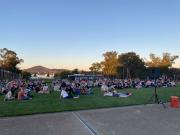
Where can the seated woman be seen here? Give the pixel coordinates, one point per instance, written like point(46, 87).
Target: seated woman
point(8, 96)
point(104, 88)
point(22, 95)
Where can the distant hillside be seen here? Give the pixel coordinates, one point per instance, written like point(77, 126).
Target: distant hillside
point(43, 70)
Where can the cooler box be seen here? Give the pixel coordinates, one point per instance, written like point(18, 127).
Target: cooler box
point(174, 102)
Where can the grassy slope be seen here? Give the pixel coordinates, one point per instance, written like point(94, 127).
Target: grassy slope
point(51, 103)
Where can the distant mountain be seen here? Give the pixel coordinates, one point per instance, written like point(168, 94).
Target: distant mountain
point(43, 70)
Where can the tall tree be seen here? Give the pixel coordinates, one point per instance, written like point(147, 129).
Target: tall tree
point(9, 60)
point(132, 64)
point(110, 63)
point(48, 75)
point(165, 61)
point(95, 67)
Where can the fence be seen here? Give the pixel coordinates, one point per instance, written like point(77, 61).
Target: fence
point(7, 75)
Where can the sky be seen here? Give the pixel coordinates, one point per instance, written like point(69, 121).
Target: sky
point(75, 33)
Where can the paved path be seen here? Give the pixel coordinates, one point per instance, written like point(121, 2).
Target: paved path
point(136, 120)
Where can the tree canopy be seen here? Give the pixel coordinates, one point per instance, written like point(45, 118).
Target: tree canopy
point(9, 60)
point(95, 67)
point(165, 61)
point(132, 62)
point(64, 74)
point(131, 65)
point(110, 63)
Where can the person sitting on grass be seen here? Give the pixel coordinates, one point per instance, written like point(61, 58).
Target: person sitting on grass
point(65, 94)
point(3, 90)
point(22, 95)
point(104, 87)
point(45, 89)
point(8, 96)
point(77, 89)
point(89, 91)
point(37, 88)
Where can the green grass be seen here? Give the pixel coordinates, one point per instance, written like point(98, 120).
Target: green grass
point(50, 103)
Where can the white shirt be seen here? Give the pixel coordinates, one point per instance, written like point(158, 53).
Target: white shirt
point(8, 95)
point(64, 94)
point(45, 88)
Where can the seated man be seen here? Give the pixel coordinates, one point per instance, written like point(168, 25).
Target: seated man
point(67, 92)
point(77, 89)
point(64, 94)
point(45, 89)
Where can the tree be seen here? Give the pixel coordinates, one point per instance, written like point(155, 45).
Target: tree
point(26, 75)
point(9, 60)
point(95, 67)
point(131, 64)
point(174, 73)
point(63, 75)
point(35, 75)
point(110, 63)
point(165, 62)
point(75, 71)
point(48, 75)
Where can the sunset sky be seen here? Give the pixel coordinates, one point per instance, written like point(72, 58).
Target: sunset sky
point(75, 33)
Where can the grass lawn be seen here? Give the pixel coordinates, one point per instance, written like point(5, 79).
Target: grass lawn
point(50, 103)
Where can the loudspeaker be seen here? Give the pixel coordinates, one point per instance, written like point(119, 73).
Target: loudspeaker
point(155, 73)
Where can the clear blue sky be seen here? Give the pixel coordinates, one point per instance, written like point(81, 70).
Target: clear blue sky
point(75, 33)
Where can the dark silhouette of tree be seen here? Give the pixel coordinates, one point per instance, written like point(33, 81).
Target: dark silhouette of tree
point(26, 75)
point(48, 75)
point(75, 71)
point(35, 75)
point(63, 74)
point(131, 64)
point(95, 67)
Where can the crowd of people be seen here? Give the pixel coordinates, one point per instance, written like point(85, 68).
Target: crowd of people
point(22, 90)
point(73, 89)
point(137, 83)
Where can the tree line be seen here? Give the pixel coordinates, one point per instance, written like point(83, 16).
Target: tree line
point(131, 65)
point(124, 65)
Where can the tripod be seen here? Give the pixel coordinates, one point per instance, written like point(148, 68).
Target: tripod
point(156, 97)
